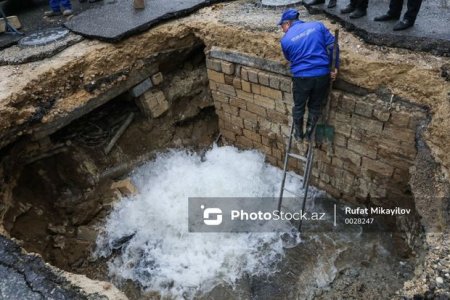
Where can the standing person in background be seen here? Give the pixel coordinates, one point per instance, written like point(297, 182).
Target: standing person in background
point(356, 8)
point(395, 10)
point(309, 49)
point(56, 6)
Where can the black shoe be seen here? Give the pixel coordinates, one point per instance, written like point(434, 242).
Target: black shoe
point(348, 9)
point(402, 25)
point(298, 130)
point(310, 126)
point(385, 17)
point(314, 2)
point(358, 13)
point(331, 4)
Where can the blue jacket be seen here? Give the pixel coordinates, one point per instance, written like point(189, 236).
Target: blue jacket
point(308, 47)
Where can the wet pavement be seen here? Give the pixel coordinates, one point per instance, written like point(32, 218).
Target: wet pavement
point(114, 21)
point(430, 33)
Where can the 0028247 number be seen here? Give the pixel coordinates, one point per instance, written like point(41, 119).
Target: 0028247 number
point(358, 221)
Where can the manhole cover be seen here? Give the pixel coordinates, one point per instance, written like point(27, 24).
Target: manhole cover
point(44, 37)
point(277, 3)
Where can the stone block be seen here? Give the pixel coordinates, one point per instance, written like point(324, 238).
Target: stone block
point(87, 233)
point(271, 93)
point(237, 121)
point(229, 135)
point(125, 187)
point(157, 78)
point(263, 78)
point(141, 88)
point(226, 89)
point(397, 133)
point(153, 104)
point(213, 64)
point(274, 82)
point(340, 140)
point(277, 117)
point(399, 118)
point(235, 128)
point(216, 76)
point(227, 68)
point(285, 85)
point(246, 115)
point(363, 108)
point(212, 85)
point(252, 76)
point(288, 98)
point(381, 114)
point(244, 141)
point(244, 74)
point(346, 155)
point(370, 125)
point(237, 83)
point(264, 101)
point(346, 103)
point(232, 110)
point(377, 166)
point(342, 128)
point(362, 148)
point(219, 97)
point(252, 135)
point(251, 125)
point(259, 110)
point(244, 95)
point(237, 102)
point(246, 86)
point(256, 89)
point(415, 119)
point(229, 79)
point(281, 107)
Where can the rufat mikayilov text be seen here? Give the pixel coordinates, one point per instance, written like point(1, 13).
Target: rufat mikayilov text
point(275, 215)
point(377, 210)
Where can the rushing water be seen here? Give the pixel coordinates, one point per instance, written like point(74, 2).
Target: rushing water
point(151, 228)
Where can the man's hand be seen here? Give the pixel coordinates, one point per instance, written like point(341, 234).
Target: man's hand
point(334, 74)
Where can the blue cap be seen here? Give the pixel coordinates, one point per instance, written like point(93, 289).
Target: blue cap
point(288, 15)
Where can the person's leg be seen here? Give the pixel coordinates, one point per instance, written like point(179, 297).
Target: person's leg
point(350, 7)
point(395, 8)
point(413, 10)
point(361, 9)
point(301, 90)
point(54, 5)
point(66, 4)
point(317, 101)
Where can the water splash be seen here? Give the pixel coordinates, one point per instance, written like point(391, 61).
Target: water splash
point(151, 231)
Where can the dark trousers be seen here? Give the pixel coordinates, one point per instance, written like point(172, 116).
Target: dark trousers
point(312, 91)
point(413, 7)
point(359, 4)
point(55, 5)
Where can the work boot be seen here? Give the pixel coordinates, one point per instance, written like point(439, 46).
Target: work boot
point(385, 17)
point(314, 2)
point(402, 25)
point(67, 12)
point(298, 130)
point(348, 9)
point(310, 125)
point(358, 13)
point(52, 13)
point(331, 4)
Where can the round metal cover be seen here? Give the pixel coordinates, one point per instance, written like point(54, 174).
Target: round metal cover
point(44, 37)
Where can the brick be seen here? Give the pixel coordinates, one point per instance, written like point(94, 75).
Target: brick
point(229, 79)
point(264, 101)
point(232, 127)
point(377, 167)
point(246, 115)
point(244, 74)
point(227, 68)
point(213, 64)
point(381, 114)
point(288, 98)
point(367, 124)
point(277, 153)
point(229, 135)
point(277, 117)
point(236, 120)
point(244, 95)
point(271, 93)
point(237, 71)
point(246, 86)
point(252, 76)
point(340, 140)
point(285, 85)
point(402, 134)
point(337, 162)
point(271, 160)
point(259, 110)
point(274, 82)
point(244, 141)
point(232, 110)
point(157, 78)
point(226, 89)
point(125, 187)
point(256, 89)
point(342, 128)
point(347, 155)
point(237, 83)
point(342, 117)
point(216, 76)
point(265, 149)
point(362, 149)
point(153, 104)
point(252, 135)
point(399, 118)
point(281, 107)
point(212, 85)
point(263, 78)
point(251, 125)
point(346, 103)
point(237, 102)
point(363, 108)
point(219, 97)
point(416, 119)
point(141, 88)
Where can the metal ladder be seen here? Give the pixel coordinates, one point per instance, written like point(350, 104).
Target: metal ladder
point(307, 160)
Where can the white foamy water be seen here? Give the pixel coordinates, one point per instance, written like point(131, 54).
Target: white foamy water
point(161, 254)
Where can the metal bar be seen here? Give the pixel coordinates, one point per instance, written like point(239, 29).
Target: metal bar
point(299, 157)
point(119, 133)
point(286, 158)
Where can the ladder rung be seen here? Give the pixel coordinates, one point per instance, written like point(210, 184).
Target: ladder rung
point(299, 157)
point(291, 192)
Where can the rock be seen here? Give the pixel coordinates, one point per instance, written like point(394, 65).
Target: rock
point(153, 104)
point(157, 78)
point(87, 233)
point(125, 187)
point(439, 280)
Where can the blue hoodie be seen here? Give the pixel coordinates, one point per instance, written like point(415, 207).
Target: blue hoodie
point(308, 47)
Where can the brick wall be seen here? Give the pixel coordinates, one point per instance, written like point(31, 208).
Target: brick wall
point(374, 144)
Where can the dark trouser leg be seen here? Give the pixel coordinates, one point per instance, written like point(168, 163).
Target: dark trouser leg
point(302, 88)
point(318, 97)
point(395, 8)
point(413, 10)
point(362, 4)
point(54, 5)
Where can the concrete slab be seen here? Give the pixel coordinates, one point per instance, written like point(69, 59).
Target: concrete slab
point(430, 33)
point(115, 21)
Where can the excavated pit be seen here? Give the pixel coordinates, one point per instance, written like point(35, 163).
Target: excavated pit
point(57, 184)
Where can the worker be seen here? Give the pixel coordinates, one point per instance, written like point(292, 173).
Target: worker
point(395, 10)
point(56, 6)
point(308, 46)
point(356, 8)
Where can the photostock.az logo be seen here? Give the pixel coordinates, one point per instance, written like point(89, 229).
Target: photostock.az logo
point(212, 216)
